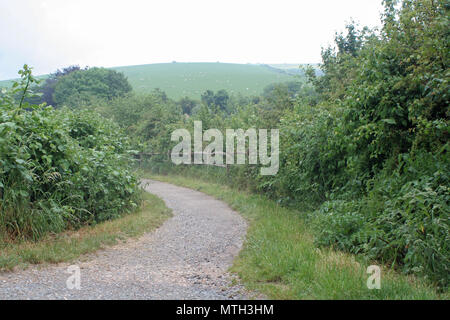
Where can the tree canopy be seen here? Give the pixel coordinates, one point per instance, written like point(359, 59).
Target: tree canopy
point(82, 87)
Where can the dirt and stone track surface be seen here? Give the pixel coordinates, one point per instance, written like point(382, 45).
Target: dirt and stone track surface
point(186, 258)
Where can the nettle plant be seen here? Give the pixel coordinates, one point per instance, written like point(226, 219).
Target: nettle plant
point(59, 169)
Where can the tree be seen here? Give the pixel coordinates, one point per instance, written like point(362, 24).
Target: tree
point(83, 87)
point(208, 98)
point(219, 99)
point(187, 105)
point(48, 87)
point(339, 66)
point(292, 87)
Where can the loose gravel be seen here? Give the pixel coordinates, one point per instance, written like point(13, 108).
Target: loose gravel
point(186, 258)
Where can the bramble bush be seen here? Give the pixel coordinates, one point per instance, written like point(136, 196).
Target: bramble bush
point(394, 133)
point(403, 220)
point(59, 169)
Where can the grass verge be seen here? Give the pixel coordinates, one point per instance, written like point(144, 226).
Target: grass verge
point(70, 245)
point(280, 259)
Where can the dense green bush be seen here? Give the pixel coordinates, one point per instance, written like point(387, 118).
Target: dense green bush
point(58, 168)
point(403, 219)
point(309, 154)
point(87, 86)
point(394, 133)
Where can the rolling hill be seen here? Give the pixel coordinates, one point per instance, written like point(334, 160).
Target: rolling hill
point(192, 79)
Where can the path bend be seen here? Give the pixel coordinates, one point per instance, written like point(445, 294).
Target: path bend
point(186, 258)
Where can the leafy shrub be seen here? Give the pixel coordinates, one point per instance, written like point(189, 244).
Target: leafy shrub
point(308, 169)
point(394, 134)
point(58, 168)
point(403, 220)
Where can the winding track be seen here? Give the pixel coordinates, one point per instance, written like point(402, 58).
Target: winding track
point(186, 258)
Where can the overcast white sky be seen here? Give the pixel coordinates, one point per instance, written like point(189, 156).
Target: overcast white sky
point(50, 34)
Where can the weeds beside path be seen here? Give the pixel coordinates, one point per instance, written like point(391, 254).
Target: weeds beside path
point(70, 245)
point(280, 259)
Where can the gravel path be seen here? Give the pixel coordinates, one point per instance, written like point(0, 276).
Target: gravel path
point(186, 258)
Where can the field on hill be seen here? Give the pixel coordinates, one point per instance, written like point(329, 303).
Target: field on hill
point(192, 79)
point(9, 83)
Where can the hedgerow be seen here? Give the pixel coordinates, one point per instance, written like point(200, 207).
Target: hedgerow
point(59, 169)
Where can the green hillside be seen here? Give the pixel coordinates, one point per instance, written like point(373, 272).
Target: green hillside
point(8, 83)
point(192, 79)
